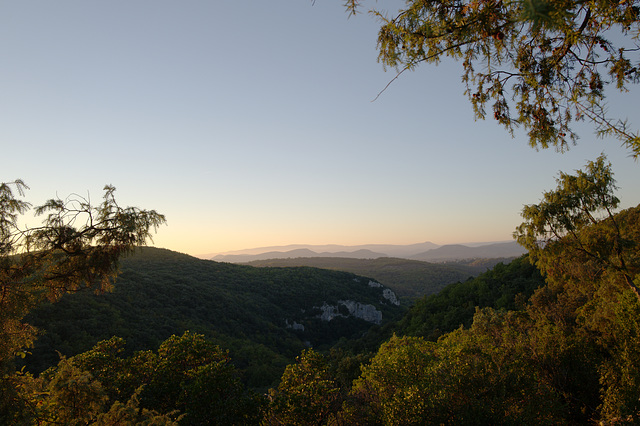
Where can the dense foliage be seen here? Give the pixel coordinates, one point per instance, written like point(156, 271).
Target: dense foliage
point(539, 64)
point(76, 247)
point(561, 224)
point(569, 355)
point(188, 379)
point(505, 287)
point(510, 349)
point(506, 347)
point(248, 310)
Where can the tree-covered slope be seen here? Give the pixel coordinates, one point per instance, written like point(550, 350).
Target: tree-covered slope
point(567, 355)
point(409, 279)
point(265, 316)
point(503, 287)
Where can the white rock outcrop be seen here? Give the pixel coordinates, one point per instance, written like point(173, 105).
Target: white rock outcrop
point(294, 325)
point(387, 293)
point(368, 313)
point(390, 296)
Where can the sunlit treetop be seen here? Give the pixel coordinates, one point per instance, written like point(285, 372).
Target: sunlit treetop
point(576, 224)
point(537, 64)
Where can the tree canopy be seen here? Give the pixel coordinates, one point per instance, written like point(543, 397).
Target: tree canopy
point(560, 230)
point(77, 246)
point(539, 64)
point(569, 355)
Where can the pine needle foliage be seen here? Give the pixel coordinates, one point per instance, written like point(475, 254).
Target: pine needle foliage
point(537, 64)
point(77, 246)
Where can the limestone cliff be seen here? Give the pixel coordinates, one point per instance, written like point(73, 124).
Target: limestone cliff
point(368, 313)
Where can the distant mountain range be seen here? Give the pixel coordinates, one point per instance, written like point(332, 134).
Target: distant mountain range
point(455, 252)
point(387, 250)
point(427, 251)
point(304, 252)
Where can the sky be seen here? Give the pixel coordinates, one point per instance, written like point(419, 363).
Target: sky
point(252, 124)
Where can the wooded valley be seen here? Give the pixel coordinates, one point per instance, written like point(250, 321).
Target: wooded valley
point(552, 337)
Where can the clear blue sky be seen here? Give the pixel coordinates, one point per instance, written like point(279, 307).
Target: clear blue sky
point(252, 124)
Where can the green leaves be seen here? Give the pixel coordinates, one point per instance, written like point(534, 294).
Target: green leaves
point(477, 376)
point(544, 13)
point(576, 223)
point(504, 287)
point(77, 246)
point(189, 380)
point(539, 64)
point(574, 204)
point(307, 393)
point(569, 356)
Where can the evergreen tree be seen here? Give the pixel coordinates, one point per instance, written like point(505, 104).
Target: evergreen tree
point(540, 64)
point(76, 247)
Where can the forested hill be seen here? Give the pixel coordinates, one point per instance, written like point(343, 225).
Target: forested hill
point(265, 316)
point(409, 279)
point(505, 287)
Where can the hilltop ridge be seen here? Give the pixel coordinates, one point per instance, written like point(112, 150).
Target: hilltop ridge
point(426, 251)
point(387, 250)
